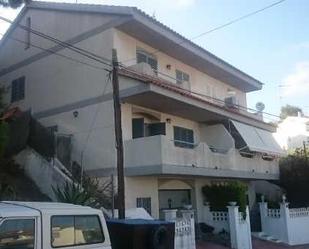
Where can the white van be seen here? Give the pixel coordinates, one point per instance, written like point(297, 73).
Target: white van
point(44, 225)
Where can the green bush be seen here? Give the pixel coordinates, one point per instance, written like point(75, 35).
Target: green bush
point(220, 195)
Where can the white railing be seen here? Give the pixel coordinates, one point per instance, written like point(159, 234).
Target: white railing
point(274, 213)
point(288, 225)
point(299, 212)
point(45, 174)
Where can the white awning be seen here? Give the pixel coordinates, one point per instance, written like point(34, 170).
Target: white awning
point(258, 140)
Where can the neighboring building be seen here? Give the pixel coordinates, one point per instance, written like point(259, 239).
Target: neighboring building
point(293, 133)
point(183, 127)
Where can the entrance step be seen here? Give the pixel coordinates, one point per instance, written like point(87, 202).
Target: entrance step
point(263, 236)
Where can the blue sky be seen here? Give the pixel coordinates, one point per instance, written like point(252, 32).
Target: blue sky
point(272, 46)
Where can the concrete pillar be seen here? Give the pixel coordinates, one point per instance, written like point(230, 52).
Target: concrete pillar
point(240, 231)
point(189, 215)
point(285, 215)
point(170, 214)
point(263, 212)
point(233, 223)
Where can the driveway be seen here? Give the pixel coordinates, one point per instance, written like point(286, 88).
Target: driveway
point(256, 244)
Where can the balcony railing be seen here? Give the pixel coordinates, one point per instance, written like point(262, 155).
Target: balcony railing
point(160, 150)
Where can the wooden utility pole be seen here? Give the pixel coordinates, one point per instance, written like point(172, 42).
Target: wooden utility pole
point(118, 135)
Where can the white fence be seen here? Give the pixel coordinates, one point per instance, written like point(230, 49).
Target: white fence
point(291, 226)
point(184, 228)
point(233, 222)
point(217, 219)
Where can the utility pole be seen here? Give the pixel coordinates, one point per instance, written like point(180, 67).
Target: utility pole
point(118, 135)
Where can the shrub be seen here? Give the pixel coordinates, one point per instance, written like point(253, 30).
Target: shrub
point(220, 195)
point(92, 193)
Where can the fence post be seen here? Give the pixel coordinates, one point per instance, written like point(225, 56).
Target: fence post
point(206, 214)
point(189, 215)
point(248, 227)
point(263, 212)
point(285, 215)
point(233, 223)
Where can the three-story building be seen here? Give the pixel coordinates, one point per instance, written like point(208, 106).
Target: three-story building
point(184, 117)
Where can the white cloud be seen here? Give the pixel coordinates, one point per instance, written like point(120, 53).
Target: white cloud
point(296, 84)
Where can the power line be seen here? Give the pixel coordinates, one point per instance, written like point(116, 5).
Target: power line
point(238, 19)
point(97, 58)
point(220, 26)
point(69, 46)
point(55, 53)
point(92, 127)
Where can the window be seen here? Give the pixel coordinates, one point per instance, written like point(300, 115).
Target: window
point(28, 33)
point(143, 56)
point(144, 203)
point(17, 234)
point(182, 77)
point(183, 137)
point(18, 89)
point(76, 230)
point(142, 129)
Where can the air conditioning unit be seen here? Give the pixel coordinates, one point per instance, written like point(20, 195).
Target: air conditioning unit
point(230, 102)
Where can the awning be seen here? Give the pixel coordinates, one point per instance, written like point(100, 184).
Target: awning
point(258, 140)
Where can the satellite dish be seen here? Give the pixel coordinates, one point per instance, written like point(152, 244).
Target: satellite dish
point(260, 106)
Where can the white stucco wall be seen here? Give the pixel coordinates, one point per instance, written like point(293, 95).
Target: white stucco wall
point(200, 82)
point(142, 187)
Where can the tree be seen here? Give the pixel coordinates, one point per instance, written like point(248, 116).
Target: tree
point(294, 178)
point(13, 3)
point(290, 110)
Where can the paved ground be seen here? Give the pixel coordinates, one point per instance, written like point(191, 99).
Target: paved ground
point(256, 244)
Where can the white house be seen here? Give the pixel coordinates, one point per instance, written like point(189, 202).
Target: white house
point(184, 117)
point(293, 132)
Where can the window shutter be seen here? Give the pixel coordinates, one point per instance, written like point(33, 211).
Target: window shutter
point(141, 57)
point(18, 89)
point(138, 128)
point(153, 63)
point(157, 129)
point(178, 77)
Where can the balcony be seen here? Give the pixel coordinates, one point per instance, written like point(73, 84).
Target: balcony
point(150, 91)
point(158, 155)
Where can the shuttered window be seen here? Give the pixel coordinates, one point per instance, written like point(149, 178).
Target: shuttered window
point(183, 137)
point(141, 129)
point(18, 89)
point(143, 56)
